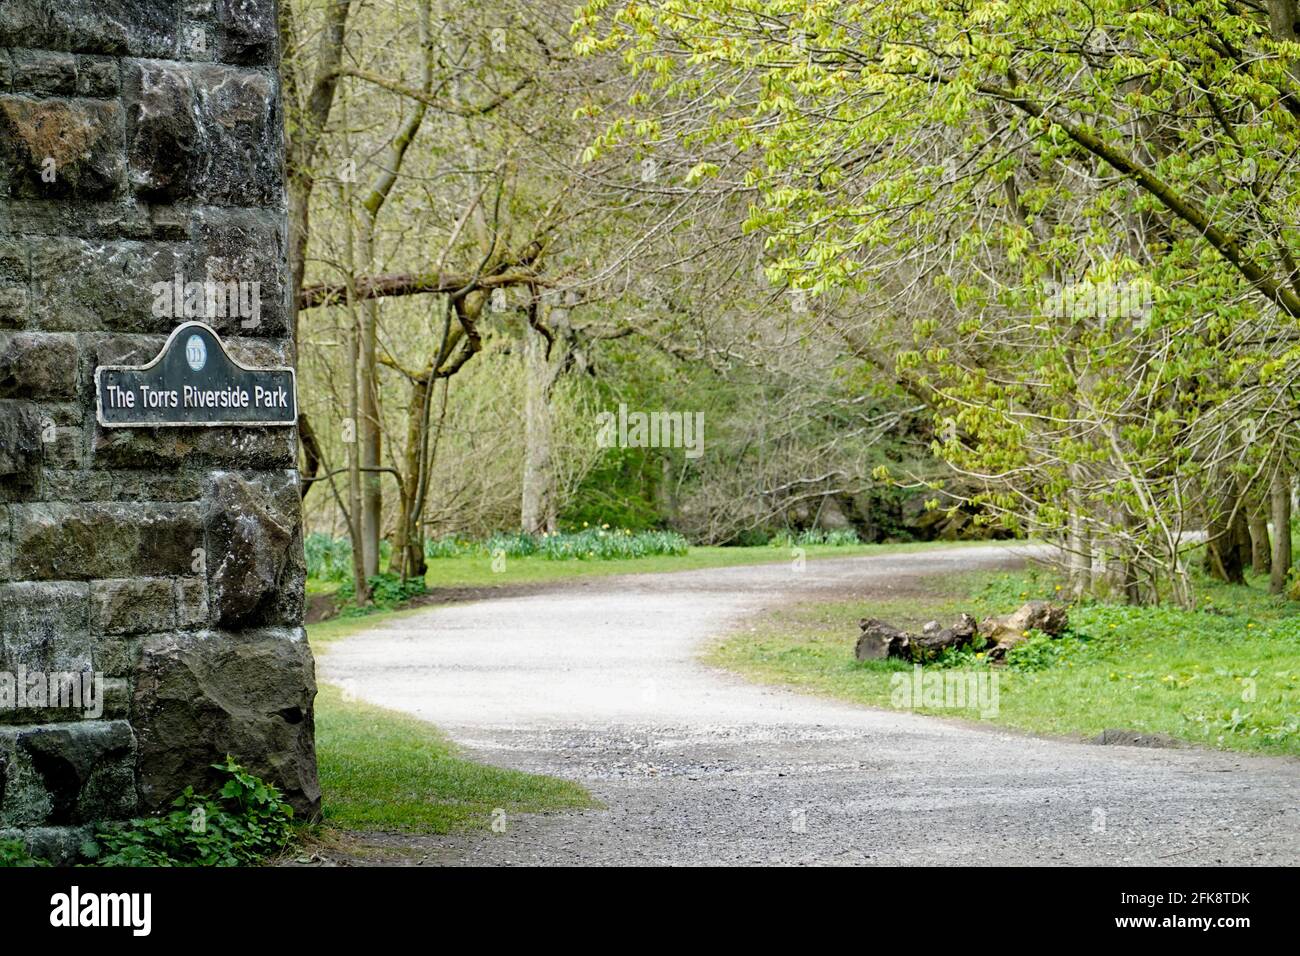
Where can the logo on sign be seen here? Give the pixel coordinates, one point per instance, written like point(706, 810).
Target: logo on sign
point(196, 353)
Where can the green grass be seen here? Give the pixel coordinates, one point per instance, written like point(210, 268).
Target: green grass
point(1225, 676)
point(381, 770)
point(478, 571)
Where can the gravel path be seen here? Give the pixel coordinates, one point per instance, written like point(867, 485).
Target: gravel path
point(599, 681)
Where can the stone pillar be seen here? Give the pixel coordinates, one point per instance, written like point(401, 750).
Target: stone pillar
point(141, 141)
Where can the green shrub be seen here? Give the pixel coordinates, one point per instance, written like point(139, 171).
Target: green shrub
point(448, 546)
point(516, 545)
point(1040, 651)
point(328, 558)
point(386, 592)
point(815, 536)
point(604, 544)
point(14, 853)
point(600, 544)
point(243, 823)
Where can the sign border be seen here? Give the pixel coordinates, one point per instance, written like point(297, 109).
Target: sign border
point(216, 337)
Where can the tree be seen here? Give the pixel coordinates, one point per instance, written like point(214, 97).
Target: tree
point(1085, 204)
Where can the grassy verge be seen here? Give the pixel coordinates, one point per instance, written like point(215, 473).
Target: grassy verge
point(478, 571)
point(1225, 676)
point(381, 770)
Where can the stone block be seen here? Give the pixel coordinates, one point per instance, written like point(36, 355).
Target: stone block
point(36, 365)
point(203, 695)
point(119, 27)
point(67, 774)
point(43, 71)
point(97, 76)
point(133, 605)
point(91, 285)
point(62, 148)
point(21, 448)
point(81, 541)
point(203, 132)
point(44, 626)
point(248, 33)
point(255, 562)
point(15, 276)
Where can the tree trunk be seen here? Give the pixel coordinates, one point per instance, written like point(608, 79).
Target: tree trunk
point(1260, 546)
point(1241, 537)
point(1079, 550)
point(1280, 508)
point(665, 491)
point(543, 362)
point(1121, 579)
point(311, 452)
point(408, 553)
point(360, 582)
point(370, 437)
point(1224, 557)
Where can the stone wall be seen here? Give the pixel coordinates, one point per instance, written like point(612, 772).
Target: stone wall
point(139, 140)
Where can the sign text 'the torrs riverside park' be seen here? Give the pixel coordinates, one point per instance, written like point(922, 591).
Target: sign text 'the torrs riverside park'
point(194, 382)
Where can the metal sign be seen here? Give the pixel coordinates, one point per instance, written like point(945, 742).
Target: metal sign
point(194, 382)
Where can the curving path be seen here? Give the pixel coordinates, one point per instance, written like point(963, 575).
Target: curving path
point(599, 681)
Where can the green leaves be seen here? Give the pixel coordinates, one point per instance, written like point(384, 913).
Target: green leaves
point(245, 822)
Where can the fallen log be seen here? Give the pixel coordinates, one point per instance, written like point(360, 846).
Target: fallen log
point(1006, 632)
point(879, 639)
point(934, 640)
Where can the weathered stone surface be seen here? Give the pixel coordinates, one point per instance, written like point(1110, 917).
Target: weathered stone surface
point(91, 285)
point(68, 485)
point(67, 774)
point(138, 27)
point(103, 540)
point(64, 451)
point(147, 486)
point(44, 626)
point(256, 567)
point(74, 216)
point(133, 605)
point(191, 602)
point(97, 76)
point(20, 444)
point(54, 148)
point(201, 696)
point(241, 245)
point(203, 132)
point(15, 275)
point(43, 71)
point(38, 365)
point(117, 656)
point(174, 447)
point(249, 30)
point(60, 846)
